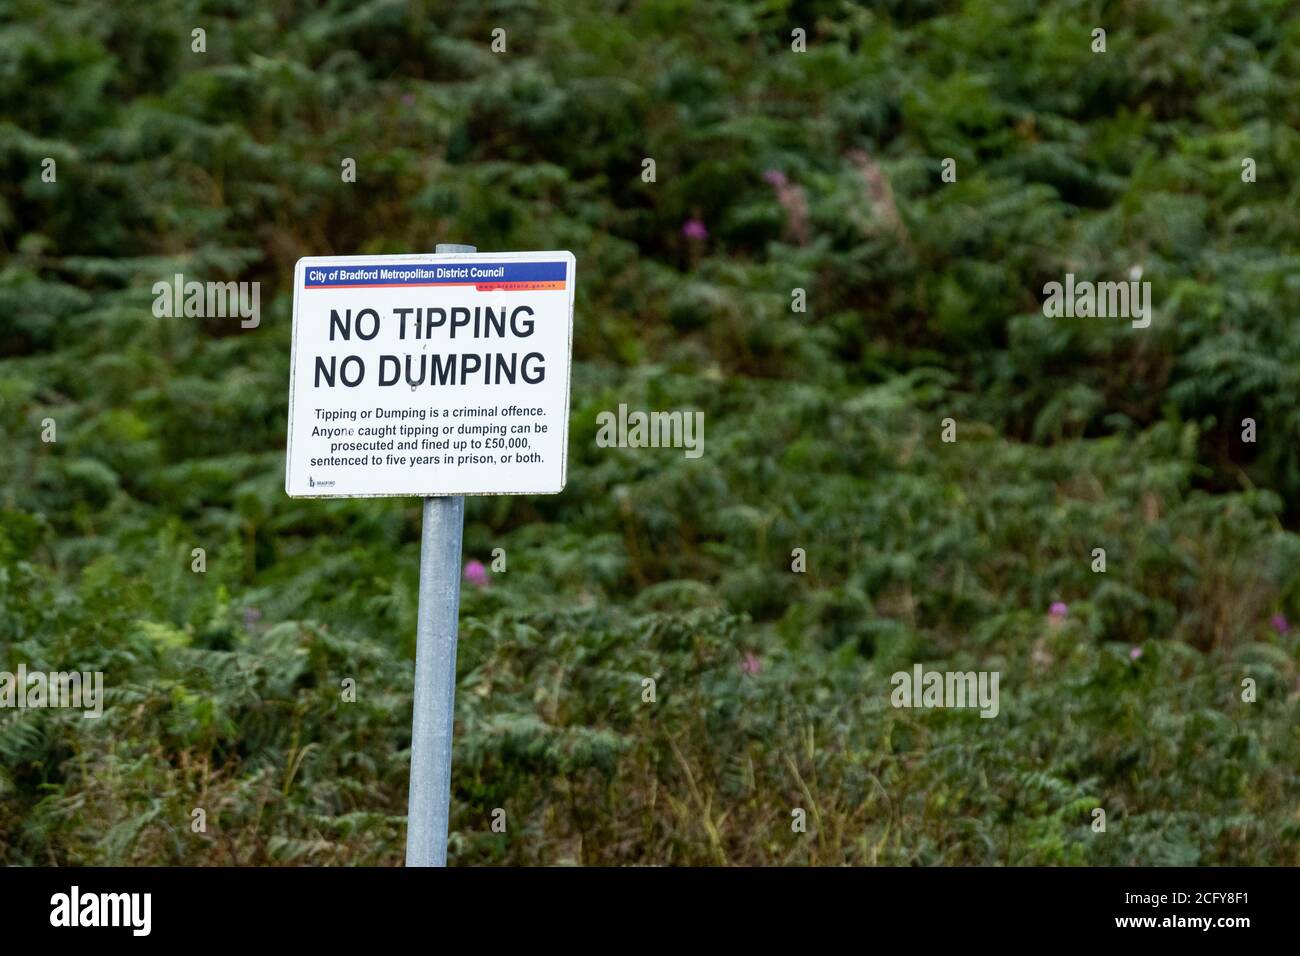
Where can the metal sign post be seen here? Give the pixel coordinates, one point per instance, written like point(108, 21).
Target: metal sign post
point(429, 800)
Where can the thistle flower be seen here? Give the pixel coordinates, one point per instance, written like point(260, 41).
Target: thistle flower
point(695, 230)
point(476, 574)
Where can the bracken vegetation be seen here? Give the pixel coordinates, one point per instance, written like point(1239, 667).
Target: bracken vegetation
point(817, 171)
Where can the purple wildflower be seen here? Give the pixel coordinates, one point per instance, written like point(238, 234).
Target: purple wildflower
point(1280, 623)
point(751, 664)
point(476, 574)
point(695, 230)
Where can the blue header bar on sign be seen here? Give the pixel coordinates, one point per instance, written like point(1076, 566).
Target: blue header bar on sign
point(489, 275)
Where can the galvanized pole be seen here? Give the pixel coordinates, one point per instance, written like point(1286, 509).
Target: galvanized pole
point(429, 799)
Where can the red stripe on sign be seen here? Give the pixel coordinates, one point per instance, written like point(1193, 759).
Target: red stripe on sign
point(520, 286)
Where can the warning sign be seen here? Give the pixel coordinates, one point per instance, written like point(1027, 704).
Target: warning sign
point(430, 375)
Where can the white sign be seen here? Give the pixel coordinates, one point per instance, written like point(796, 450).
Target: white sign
point(430, 375)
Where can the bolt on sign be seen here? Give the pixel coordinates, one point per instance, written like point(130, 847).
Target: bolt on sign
point(424, 375)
